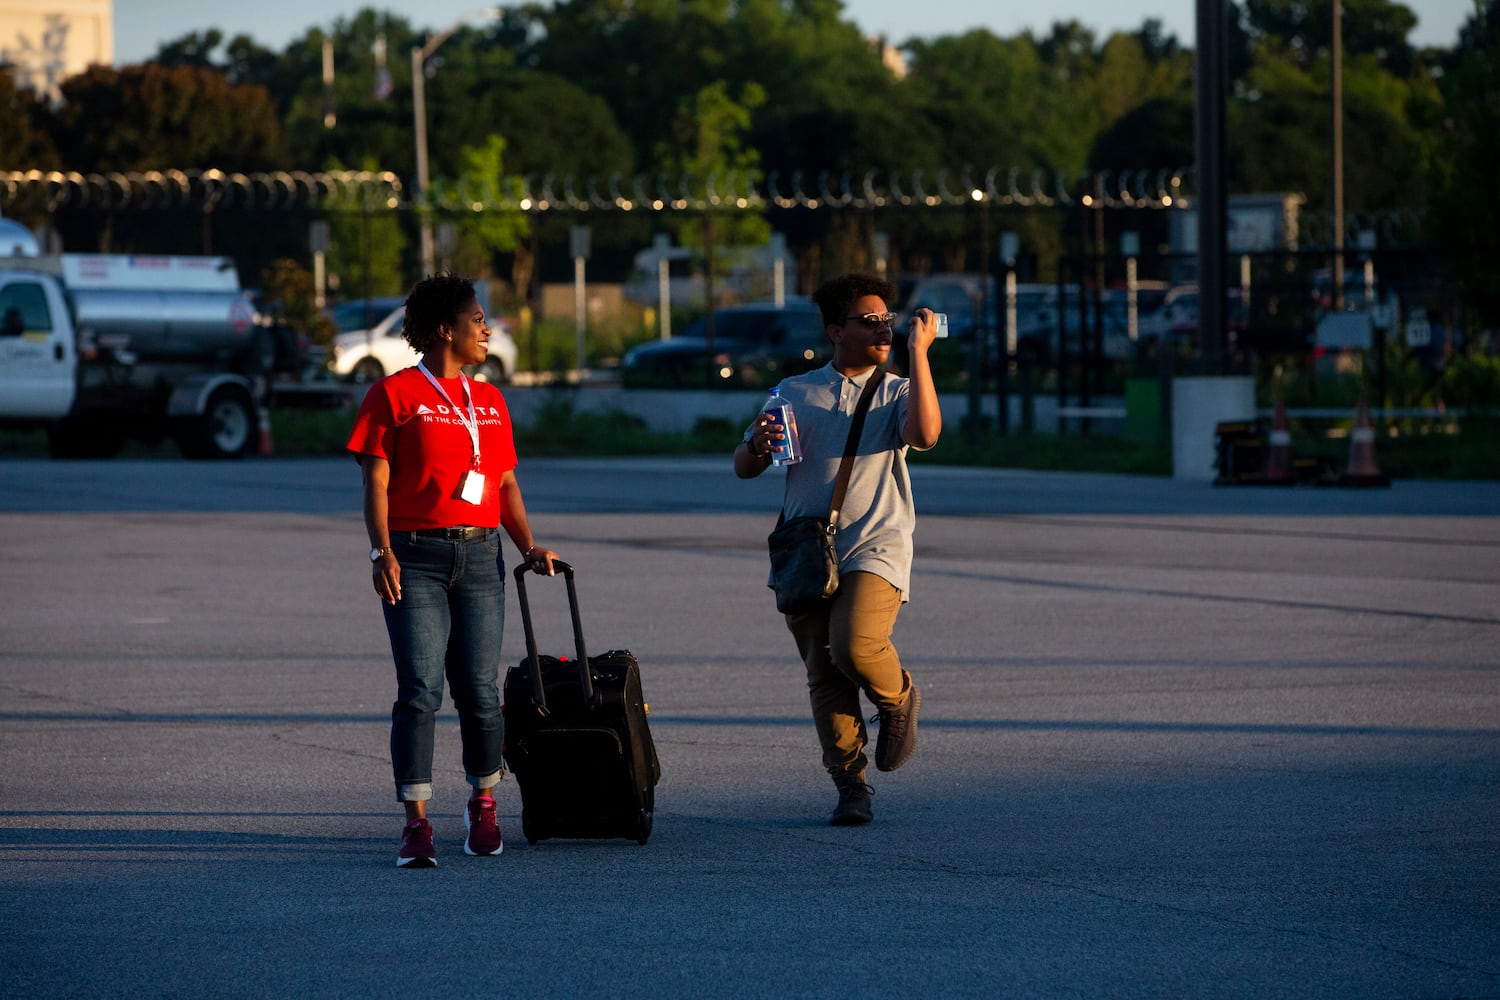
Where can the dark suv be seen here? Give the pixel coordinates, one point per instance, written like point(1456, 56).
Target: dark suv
point(754, 346)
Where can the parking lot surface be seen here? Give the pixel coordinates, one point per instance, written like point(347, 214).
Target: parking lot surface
point(1176, 740)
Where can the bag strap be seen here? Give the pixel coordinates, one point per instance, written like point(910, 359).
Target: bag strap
point(841, 486)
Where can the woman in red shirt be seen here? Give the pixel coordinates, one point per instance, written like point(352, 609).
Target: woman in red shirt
point(439, 486)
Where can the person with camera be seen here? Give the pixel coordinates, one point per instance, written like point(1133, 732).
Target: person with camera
point(440, 486)
point(845, 641)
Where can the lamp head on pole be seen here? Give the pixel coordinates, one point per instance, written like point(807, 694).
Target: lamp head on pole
point(419, 69)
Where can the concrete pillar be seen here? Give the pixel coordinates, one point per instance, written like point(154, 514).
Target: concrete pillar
point(1199, 403)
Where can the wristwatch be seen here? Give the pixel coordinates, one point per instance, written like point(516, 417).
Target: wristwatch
point(375, 554)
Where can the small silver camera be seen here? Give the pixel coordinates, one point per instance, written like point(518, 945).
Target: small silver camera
point(942, 323)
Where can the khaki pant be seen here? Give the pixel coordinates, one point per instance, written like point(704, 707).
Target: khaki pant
point(846, 647)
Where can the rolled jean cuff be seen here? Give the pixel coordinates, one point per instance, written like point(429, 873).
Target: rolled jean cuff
point(482, 783)
point(415, 791)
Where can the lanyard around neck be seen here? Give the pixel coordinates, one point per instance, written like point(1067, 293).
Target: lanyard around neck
point(469, 420)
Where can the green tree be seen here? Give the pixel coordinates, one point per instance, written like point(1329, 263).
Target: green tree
point(243, 60)
point(153, 117)
point(367, 248)
point(372, 116)
point(27, 143)
point(981, 94)
point(1302, 30)
point(475, 200)
point(24, 119)
point(838, 112)
point(592, 90)
point(556, 129)
point(708, 145)
point(1466, 209)
point(1279, 122)
point(1158, 134)
point(641, 56)
point(195, 49)
point(288, 287)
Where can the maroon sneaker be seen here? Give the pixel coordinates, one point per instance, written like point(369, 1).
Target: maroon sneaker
point(416, 846)
point(484, 830)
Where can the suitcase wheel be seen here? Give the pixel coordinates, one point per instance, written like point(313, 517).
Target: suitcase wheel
point(643, 828)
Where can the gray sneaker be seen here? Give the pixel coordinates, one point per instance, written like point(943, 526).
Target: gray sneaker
point(898, 730)
point(854, 804)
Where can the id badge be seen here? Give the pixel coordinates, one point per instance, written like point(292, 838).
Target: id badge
point(472, 490)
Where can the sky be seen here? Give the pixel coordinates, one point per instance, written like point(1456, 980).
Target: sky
point(142, 25)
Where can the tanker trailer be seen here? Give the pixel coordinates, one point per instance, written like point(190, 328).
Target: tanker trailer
point(164, 309)
point(148, 346)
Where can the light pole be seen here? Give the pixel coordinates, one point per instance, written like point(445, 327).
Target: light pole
point(1336, 63)
point(419, 56)
point(1210, 90)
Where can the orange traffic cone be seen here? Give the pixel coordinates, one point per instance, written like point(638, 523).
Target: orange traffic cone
point(264, 449)
point(1362, 469)
point(1279, 454)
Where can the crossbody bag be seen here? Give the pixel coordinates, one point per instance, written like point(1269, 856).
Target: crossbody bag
point(804, 559)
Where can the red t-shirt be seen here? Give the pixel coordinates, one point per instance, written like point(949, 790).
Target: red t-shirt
point(407, 422)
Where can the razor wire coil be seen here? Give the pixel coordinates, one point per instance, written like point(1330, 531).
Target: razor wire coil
point(346, 190)
point(334, 192)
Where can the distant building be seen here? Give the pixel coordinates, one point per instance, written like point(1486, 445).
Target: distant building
point(46, 41)
point(1257, 223)
point(890, 57)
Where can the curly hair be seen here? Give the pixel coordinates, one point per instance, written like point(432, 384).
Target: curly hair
point(837, 296)
point(432, 303)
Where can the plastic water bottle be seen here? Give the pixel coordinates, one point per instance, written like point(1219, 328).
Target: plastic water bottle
point(790, 451)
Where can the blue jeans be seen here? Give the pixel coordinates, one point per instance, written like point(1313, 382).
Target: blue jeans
point(448, 622)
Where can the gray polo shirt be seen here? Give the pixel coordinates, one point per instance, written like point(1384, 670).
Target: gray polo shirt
point(875, 525)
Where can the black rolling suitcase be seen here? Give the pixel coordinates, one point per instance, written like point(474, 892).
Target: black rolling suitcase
point(576, 737)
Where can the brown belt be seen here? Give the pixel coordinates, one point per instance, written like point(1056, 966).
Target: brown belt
point(463, 534)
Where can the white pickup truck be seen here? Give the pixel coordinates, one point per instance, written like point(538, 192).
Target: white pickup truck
point(99, 349)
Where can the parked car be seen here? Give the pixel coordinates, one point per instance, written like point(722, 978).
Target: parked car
point(962, 297)
point(366, 355)
point(1115, 317)
point(1177, 316)
point(361, 314)
point(1357, 294)
point(754, 345)
point(971, 302)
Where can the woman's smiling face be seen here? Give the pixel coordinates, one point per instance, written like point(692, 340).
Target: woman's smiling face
point(470, 342)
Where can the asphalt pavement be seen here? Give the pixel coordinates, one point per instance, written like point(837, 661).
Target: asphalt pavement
point(1176, 741)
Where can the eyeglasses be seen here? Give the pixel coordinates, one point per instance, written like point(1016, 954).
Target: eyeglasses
point(873, 320)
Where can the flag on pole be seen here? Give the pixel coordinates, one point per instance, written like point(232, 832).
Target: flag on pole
point(383, 84)
point(330, 117)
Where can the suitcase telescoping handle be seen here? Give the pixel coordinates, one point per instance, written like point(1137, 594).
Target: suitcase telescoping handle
point(585, 680)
